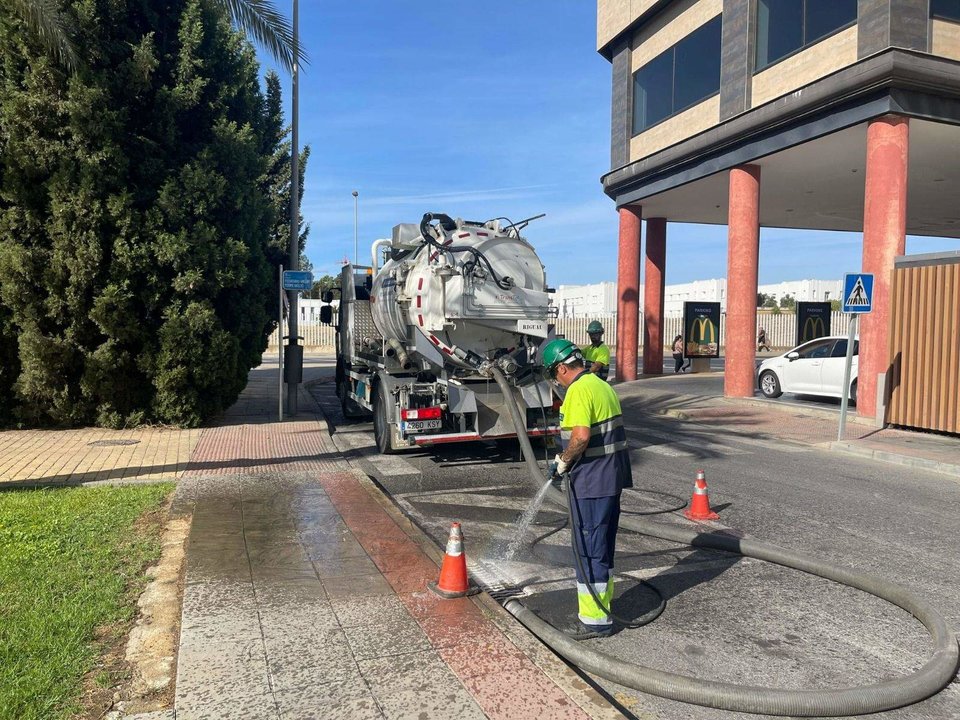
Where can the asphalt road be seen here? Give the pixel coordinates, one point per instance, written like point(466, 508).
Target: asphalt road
point(727, 618)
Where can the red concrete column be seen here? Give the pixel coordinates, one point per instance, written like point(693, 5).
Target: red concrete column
point(743, 255)
point(654, 269)
point(628, 292)
point(884, 237)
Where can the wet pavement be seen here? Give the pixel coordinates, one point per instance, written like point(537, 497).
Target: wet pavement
point(306, 594)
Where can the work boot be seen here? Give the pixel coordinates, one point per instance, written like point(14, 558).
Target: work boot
point(581, 631)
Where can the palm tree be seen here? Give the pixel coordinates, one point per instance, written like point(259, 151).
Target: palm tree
point(259, 19)
point(45, 21)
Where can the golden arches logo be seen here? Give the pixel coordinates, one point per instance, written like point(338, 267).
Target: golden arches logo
point(813, 328)
point(703, 331)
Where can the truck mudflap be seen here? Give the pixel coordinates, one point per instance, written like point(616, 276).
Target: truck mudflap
point(440, 438)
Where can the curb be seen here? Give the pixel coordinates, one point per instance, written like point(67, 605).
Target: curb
point(843, 446)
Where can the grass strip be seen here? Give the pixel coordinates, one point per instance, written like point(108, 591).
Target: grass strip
point(71, 562)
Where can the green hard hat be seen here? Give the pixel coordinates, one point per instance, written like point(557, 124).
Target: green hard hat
point(594, 327)
point(559, 351)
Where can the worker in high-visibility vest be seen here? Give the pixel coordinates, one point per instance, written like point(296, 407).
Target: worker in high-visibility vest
point(596, 460)
point(596, 354)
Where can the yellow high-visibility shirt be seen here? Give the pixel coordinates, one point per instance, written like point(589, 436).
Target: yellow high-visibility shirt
point(596, 354)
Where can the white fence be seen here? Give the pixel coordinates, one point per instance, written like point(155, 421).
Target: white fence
point(315, 336)
point(781, 330)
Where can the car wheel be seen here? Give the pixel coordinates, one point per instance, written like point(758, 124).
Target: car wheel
point(853, 392)
point(381, 426)
point(770, 384)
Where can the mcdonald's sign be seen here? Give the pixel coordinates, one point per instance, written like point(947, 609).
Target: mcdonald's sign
point(701, 329)
point(813, 321)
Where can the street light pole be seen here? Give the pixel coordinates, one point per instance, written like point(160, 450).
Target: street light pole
point(294, 248)
point(356, 256)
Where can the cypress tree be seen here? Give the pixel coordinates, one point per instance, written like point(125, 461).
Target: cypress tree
point(135, 217)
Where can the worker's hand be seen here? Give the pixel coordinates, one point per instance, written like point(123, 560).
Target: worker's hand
point(561, 464)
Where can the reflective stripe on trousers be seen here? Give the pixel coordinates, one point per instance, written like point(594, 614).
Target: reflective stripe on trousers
point(588, 610)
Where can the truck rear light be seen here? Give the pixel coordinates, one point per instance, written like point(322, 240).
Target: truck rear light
point(430, 413)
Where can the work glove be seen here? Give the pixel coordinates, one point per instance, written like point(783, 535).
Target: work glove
point(562, 467)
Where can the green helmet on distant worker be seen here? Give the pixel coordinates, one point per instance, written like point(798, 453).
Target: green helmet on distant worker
point(559, 351)
point(594, 327)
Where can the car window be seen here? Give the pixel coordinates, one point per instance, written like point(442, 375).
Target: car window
point(840, 349)
point(817, 349)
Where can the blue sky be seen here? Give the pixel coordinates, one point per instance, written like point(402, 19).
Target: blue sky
point(481, 110)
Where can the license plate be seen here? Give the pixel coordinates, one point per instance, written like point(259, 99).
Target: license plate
point(416, 426)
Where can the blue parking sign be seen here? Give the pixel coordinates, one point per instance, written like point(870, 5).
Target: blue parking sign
point(858, 292)
point(297, 280)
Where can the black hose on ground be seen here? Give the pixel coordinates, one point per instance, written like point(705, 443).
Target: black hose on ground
point(935, 674)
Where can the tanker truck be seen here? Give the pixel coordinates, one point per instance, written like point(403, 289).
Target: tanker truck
point(418, 335)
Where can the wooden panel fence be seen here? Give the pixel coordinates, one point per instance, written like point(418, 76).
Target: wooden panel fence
point(781, 330)
point(924, 375)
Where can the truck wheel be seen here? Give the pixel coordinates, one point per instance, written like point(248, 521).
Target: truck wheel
point(853, 392)
point(350, 409)
point(381, 426)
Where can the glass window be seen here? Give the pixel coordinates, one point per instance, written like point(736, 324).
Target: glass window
point(779, 29)
point(816, 349)
point(697, 66)
point(677, 78)
point(949, 9)
point(840, 349)
point(653, 92)
point(822, 18)
point(784, 26)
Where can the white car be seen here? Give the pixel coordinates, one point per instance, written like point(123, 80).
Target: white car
point(814, 368)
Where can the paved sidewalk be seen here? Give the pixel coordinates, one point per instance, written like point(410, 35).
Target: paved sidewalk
point(794, 423)
point(305, 595)
point(94, 455)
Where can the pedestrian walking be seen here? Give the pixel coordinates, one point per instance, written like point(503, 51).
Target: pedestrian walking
point(678, 354)
point(762, 340)
point(597, 465)
point(596, 354)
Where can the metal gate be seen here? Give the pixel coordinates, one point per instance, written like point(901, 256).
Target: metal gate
point(925, 343)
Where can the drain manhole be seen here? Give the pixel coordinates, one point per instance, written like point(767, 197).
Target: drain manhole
point(112, 443)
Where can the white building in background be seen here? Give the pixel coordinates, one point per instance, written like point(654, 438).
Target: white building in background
point(310, 309)
point(586, 300)
point(674, 296)
point(805, 290)
point(601, 298)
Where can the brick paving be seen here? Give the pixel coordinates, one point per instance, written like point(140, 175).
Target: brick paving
point(268, 447)
point(94, 455)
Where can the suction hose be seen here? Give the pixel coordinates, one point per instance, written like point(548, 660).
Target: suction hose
point(935, 674)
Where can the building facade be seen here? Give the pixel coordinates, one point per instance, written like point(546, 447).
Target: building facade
point(586, 300)
point(600, 299)
point(808, 114)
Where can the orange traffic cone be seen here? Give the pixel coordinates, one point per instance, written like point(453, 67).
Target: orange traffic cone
point(700, 502)
point(453, 581)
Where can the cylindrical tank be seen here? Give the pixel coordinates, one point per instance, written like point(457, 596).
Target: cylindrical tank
point(478, 301)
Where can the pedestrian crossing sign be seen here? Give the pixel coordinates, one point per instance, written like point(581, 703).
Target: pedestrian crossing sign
point(858, 292)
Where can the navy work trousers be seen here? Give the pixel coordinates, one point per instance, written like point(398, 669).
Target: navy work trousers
point(595, 535)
